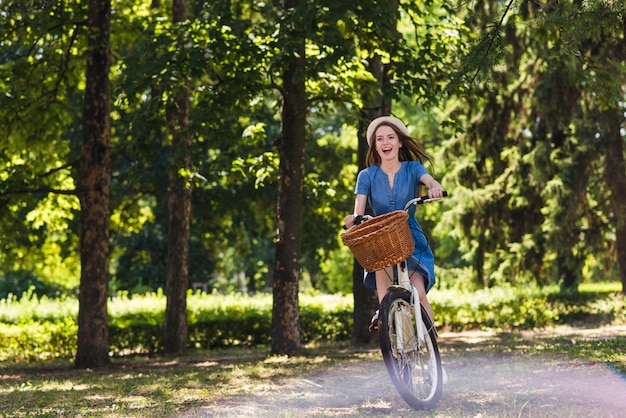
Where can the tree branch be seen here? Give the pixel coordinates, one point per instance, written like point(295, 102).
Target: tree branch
point(56, 169)
point(496, 30)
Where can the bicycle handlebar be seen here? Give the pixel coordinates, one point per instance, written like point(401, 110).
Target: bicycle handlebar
point(421, 200)
point(413, 202)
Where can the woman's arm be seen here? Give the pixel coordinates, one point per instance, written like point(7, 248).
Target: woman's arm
point(435, 191)
point(359, 209)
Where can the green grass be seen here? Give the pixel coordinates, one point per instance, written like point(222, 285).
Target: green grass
point(158, 387)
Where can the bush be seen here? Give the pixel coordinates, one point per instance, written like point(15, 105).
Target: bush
point(528, 307)
point(33, 328)
point(21, 281)
point(495, 308)
point(35, 341)
point(38, 328)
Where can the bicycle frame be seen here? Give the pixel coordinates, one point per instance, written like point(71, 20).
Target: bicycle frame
point(405, 282)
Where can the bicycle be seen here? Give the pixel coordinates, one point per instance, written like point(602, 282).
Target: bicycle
point(408, 339)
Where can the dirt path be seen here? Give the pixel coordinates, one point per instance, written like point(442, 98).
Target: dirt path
point(493, 385)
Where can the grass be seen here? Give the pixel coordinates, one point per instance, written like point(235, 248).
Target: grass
point(157, 387)
point(166, 387)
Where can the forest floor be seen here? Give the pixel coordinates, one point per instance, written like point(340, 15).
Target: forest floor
point(523, 380)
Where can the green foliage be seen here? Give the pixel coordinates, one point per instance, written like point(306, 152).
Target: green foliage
point(33, 328)
point(326, 317)
point(499, 308)
point(34, 341)
point(29, 307)
point(528, 307)
point(40, 108)
point(22, 281)
point(508, 97)
point(531, 201)
point(336, 271)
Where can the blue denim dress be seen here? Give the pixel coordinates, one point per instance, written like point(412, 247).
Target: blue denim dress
point(374, 183)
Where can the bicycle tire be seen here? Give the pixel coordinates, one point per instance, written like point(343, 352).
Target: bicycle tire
point(416, 373)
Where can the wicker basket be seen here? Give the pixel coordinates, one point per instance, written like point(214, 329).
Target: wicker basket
point(382, 241)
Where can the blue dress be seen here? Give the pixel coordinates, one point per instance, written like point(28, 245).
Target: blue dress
point(374, 183)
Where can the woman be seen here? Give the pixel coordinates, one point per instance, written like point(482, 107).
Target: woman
point(392, 178)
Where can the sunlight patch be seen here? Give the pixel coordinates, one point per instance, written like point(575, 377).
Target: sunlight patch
point(206, 364)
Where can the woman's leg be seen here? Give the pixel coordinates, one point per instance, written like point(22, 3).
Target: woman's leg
point(417, 280)
point(384, 278)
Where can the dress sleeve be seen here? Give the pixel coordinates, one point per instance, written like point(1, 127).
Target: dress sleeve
point(363, 183)
point(417, 170)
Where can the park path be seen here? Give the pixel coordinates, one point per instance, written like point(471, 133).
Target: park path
point(493, 384)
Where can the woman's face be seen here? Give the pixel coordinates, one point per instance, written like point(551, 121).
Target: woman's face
point(387, 143)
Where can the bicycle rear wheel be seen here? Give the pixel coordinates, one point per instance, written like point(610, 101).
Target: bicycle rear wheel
point(414, 368)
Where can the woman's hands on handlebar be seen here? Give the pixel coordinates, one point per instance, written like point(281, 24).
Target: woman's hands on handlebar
point(424, 199)
point(354, 219)
point(348, 221)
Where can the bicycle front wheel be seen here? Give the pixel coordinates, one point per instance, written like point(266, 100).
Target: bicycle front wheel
point(414, 366)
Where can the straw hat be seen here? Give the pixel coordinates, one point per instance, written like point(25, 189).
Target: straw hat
point(387, 119)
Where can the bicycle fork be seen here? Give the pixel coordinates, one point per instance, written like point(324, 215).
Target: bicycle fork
point(405, 282)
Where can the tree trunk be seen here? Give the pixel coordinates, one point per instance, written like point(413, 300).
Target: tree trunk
point(616, 171)
point(615, 177)
point(377, 104)
point(179, 205)
point(285, 310)
point(93, 191)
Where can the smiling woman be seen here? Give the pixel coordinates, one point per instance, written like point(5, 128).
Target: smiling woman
point(394, 175)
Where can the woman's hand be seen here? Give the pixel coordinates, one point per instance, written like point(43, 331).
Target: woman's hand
point(349, 221)
point(435, 191)
point(359, 209)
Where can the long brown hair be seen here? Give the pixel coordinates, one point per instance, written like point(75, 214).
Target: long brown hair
point(412, 149)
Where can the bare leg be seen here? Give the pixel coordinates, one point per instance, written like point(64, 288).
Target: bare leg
point(384, 278)
point(418, 281)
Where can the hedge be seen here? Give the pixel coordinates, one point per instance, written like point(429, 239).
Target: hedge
point(33, 328)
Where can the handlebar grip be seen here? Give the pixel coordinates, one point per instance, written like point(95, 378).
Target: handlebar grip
point(426, 197)
point(421, 200)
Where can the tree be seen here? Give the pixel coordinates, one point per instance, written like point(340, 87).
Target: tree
point(615, 177)
point(610, 54)
point(376, 103)
point(179, 205)
point(40, 111)
point(93, 192)
point(399, 63)
point(225, 95)
point(285, 311)
point(543, 76)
